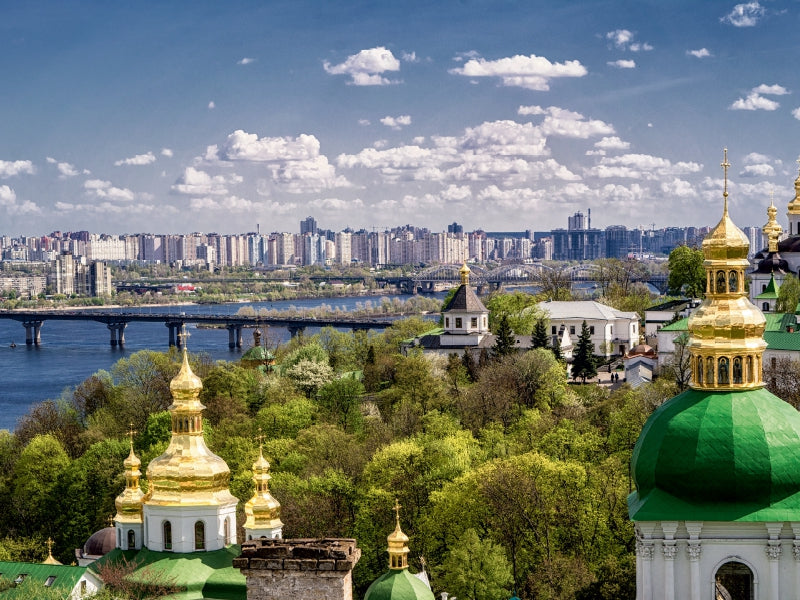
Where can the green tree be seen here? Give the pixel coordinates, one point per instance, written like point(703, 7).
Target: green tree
point(583, 364)
point(505, 342)
point(686, 273)
point(340, 401)
point(788, 295)
point(556, 348)
point(309, 376)
point(540, 338)
point(518, 307)
point(476, 569)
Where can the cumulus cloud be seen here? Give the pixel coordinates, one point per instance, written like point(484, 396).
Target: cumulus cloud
point(366, 67)
point(396, 123)
point(199, 183)
point(744, 15)
point(138, 160)
point(245, 61)
point(641, 166)
point(612, 143)
point(622, 64)
point(623, 40)
point(572, 124)
point(773, 90)
point(755, 158)
point(211, 105)
point(754, 101)
point(10, 168)
point(166, 152)
point(104, 189)
point(530, 110)
point(758, 170)
point(241, 145)
point(336, 204)
point(700, 53)
point(364, 122)
point(116, 209)
point(530, 72)
point(796, 113)
point(410, 57)
point(65, 169)
point(7, 196)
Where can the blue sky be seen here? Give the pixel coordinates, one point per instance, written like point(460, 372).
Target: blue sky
point(504, 115)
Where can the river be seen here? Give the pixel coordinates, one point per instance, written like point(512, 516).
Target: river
point(71, 351)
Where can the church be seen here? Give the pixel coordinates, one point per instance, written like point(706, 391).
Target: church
point(717, 501)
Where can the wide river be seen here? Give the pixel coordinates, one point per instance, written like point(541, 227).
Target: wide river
point(71, 351)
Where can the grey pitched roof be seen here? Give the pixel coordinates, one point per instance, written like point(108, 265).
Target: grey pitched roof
point(584, 309)
point(465, 299)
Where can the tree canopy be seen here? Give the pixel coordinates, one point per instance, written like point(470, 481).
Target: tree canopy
point(788, 294)
point(687, 276)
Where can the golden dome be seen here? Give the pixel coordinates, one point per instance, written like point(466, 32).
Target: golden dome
point(726, 332)
point(794, 205)
point(188, 473)
point(262, 510)
point(464, 271)
point(398, 543)
point(129, 502)
point(772, 229)
point(50, 560)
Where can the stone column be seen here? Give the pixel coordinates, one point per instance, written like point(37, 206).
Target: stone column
point(171, 327)
point(33, 333)
point(231, 336)
point(117, 333)
point(773, 550)
point(305, 568)
point(644, 555)
point(670, 550)
point(694, 550)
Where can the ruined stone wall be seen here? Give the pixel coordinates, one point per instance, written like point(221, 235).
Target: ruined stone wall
point(313, 569)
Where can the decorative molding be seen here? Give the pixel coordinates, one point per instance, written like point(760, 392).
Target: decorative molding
point(645, 550)
point(694, 550)
point(773, 550)
point(670, 550)
point(796, 550)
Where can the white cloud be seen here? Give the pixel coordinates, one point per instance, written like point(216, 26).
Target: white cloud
point(759, 170)
point(700, 53)
point(10, 168)
point(623, 40)
point(530, 110)
point(104, 189)
point(366, 67)
point(138, 160)
point(462, 56)
point(7, 196)
point(678, 188)
point(796, 113)
point(364, 122)
point(567, 123)
point(612, 143)
point(336, 204)
point(396, 123)
point(744, 15)
point(754, 101)
point(195, 182)
point(641, 166)
point(211, 105)
point(530, 72)
point(755, 158)
point(246, 61)
point(65, 169)
point(241, 145)
point(773, 90)
point(311, 175)
point(380, 144)
point(410, 57)
point(166, 152)
point(622, 64)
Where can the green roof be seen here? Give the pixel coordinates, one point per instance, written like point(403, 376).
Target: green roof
point(718, 456)
point(204, 575)
point(771, 291)
point(679, 325)
point(782, 340)
point(36, 575)
point(779, 321)
point(398, 584)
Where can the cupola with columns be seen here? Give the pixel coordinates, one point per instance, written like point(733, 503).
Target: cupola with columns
point(129, 520)
point(262, 510)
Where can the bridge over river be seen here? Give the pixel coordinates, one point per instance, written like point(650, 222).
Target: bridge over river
point(116, 322)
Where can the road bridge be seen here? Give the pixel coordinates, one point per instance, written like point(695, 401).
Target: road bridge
point(116, 321)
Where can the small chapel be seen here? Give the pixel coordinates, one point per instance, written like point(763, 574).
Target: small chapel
point(717, 501)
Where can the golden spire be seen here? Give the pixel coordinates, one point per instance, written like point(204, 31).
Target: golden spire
point(129, 502)
point(398, 543)
point(726, 341)
point(464, 271)
point(262, 510)
point(725, 166)
point(50, 560)
point(772, 229)
point(188, 472)
point(794, 205)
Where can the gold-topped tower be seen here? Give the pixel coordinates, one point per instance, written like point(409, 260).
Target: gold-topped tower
point(794, 205)
point(398, 543)
point(129, 518)
point(464, 271)
point(726, 341)
point(772, 229)
point(262, 510)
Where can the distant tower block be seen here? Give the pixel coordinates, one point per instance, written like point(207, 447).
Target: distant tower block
point(295, 569)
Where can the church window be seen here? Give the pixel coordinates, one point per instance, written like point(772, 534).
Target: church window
point(199, 535)
point(733, 282)
point(572, 329)
point(591, 329)
point(773, 362)
point(699, 369)
point(167, 535)
point(763, 287)
point(722, 375)
point(447, 321)
point(553, 330)
point(709, 370)
point(737, 369)
point(459, 323)
point(765, 306)
point(721, 282)
point(749, 369)
point(473, 322)
point(131, 539)
point(734, 580)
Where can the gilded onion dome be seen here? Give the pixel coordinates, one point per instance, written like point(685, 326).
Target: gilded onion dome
point(129, 502)
point(726, 331)
point(262, 510)
point(188, 473)
point(794, 205)
point(464, 271)
point(398, 543)
point(772, 229)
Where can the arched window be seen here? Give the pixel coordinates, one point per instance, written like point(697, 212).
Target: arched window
point(131, 539)
point(749, 369)
point(199, 535)
point(737, 370)
point(722, 375)
point(765, 306)
point(733, 282)
point(734, 580)
point(722, 282)
point(167, 527)
point(699, 369)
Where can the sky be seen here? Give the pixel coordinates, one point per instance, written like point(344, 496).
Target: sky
point(503, 115)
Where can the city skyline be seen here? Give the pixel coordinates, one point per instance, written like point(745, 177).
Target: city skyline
point(502, 116)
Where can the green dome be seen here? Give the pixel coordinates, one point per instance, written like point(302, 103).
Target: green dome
point(398, 584)
point(718, 456)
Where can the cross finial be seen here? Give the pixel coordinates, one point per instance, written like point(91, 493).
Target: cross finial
point(185, 335)
point(725, 166)
point(131, 433)
point(110, 520)
point(397, 508)
point(260, 438)
point(50, 546)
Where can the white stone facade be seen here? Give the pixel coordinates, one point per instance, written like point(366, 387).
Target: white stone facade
point(218, 527)
point(680, 560)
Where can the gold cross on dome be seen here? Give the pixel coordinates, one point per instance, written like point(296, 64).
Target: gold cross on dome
point(725, 166)
point(260, 438)
point(185, 335)
point(50, 546)
point(397, 508)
